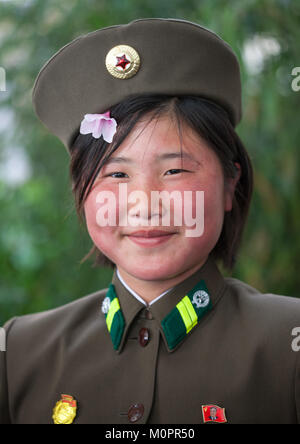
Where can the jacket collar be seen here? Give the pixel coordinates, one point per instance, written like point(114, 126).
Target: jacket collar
point(177, 313)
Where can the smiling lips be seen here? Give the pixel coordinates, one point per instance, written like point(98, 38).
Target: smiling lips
point(150, 238)
point(150, 233)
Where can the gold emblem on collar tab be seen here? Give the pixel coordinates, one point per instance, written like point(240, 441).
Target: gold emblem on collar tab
point(64, 411)
point(122, 62)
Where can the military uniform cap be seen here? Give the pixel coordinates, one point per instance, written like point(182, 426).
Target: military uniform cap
point(147, 56)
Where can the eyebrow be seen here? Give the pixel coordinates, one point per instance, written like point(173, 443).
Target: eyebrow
point(165, 156)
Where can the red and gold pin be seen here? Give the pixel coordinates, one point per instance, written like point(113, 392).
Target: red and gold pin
point(64, 411)
point(122, 62)
point(213, 413)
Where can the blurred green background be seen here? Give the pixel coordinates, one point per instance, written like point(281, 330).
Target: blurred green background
point(41, 241)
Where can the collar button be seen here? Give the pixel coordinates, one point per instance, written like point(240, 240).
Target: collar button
point(144, 337)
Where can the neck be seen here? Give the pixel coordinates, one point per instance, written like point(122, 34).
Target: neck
point(149, 290)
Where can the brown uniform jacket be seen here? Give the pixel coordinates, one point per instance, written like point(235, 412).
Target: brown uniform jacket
point(237, 354)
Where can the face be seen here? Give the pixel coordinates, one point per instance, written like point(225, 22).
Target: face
point(149, 160)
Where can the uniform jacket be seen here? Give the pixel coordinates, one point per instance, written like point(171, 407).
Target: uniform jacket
point(209, 341)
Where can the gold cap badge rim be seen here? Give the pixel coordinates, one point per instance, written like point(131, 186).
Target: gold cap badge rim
point(132, 59)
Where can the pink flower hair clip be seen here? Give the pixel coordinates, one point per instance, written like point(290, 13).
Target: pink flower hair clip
point(99, 125)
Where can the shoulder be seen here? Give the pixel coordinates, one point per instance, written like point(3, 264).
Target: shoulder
point(252, 299)
point(53, 324)
point(270, 315)
point(264, 332)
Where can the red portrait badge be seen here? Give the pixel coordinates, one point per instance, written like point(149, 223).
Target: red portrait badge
point(213, 413)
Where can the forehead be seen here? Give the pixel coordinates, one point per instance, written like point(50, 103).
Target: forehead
point(158, 158)
point(159, 139)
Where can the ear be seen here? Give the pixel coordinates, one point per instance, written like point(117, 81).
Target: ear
point(230, 188)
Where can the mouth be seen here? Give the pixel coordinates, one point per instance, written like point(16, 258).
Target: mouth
point(150, 238)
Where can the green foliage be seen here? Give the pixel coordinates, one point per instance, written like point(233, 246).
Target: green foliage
point(41, 240)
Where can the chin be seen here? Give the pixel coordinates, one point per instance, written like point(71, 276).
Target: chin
point(154, 272)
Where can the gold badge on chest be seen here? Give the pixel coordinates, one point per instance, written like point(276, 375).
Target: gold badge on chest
point(64, 411)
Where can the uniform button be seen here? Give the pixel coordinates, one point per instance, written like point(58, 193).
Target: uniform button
point(144, 337)
point(135, 412)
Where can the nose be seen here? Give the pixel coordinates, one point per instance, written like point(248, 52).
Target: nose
point(142, 208)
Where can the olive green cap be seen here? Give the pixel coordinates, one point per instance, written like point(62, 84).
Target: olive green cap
point(161, 56)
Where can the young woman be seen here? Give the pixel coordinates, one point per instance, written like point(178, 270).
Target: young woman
point(147, 112)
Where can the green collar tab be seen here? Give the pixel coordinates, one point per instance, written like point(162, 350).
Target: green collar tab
point(186, 314)
point(113, 315)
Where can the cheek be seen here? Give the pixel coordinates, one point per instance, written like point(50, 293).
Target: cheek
point(90, 210)
point(214, 211)
point(214, 203)
point(101, 235)
point(213, 190)
point(208, 210)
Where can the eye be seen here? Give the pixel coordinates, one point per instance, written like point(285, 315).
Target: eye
point(176, 170)
point(119, 175)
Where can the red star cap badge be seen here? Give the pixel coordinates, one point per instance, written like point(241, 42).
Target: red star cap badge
point(122, 61)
